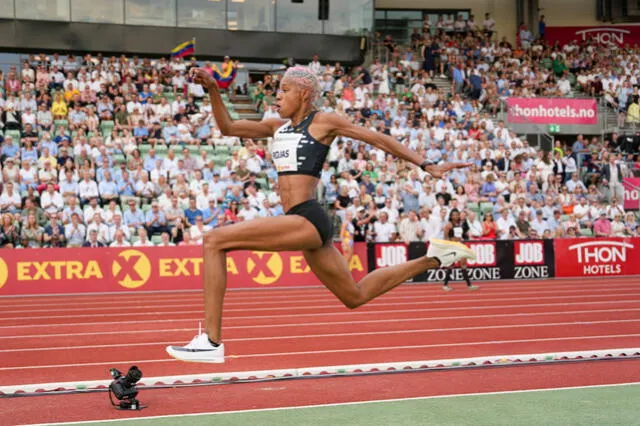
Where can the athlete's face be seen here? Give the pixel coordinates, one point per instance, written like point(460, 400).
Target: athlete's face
point(289, 98)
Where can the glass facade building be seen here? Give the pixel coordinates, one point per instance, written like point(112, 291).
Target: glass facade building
point(346, 17)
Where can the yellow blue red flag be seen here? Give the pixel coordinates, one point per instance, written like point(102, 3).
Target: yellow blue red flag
point(184, 49)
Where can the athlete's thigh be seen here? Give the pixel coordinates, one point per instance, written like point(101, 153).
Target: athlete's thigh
point(266, 234)
point(330, 266)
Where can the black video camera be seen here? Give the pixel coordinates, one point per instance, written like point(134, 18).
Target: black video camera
point(124, 388)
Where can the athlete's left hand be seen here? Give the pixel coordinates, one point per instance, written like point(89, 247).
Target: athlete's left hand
point(438, 170)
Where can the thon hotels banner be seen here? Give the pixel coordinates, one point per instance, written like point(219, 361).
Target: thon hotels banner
point(619, 35)
point(560, 111)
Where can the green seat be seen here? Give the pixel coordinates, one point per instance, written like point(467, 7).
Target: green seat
point(223, 149)
point(564, 218)
point(145, 208)
point(161, 149)
point(194, 149)
point(474, 207)
point(119, 159)
point(15, 134)
point(107, 124)
point(486, 208)
point(208, 149)
point(587, 232)
point(263, 182)
point(64, 123)
point(156, 239)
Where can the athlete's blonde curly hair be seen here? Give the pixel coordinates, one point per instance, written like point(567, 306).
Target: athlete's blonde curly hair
point(305, 78)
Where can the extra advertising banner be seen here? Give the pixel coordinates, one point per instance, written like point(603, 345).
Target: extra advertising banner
point(92, 270)
point(619, 35)
point(631, 193)
point(552, 111)
point(497, 260)
point(588, 257)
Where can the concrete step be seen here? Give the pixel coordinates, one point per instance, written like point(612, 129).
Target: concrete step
point(244, 109)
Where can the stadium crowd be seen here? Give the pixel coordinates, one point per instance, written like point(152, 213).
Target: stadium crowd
point(107, 151)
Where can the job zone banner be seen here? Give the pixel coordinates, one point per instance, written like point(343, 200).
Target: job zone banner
point(589, 257)
point(631, 193)
point(92, 270)
point(496, 260)
point(619, 35)
point(546, 111)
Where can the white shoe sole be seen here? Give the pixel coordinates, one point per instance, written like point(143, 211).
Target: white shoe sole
point(457, 250)
point(212, 357)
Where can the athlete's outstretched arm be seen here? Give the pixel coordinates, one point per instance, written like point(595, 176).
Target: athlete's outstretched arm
point(336, 125)
point(229, 127)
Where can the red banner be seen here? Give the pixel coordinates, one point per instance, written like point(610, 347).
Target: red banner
point(588, 257)
point(631, 193)
point(92, 270)
point(619, 35)
point(552, 111)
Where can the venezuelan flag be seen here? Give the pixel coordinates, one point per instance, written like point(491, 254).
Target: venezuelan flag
point(225, 77)
point(184, 49)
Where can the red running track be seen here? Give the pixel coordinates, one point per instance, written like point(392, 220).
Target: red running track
point(67, 338)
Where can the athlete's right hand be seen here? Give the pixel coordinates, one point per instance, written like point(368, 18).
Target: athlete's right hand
point(202, 77)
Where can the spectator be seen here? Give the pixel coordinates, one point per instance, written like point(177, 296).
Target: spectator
point(92, 240)
point(75, 231)
point(155, 220)
point(51, 201)
point(143, 240)
point(165, 240)
point(10, 200)
point(120, 240)
point(602, 226)
point(410, 228)
point(32, 232)
point(54, 235)
point(117, 226)
point(9, 232)
point(383, 230)
point(97, 224)
point(198, 230)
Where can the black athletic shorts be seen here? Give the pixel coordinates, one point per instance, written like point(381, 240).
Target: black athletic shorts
point(314, 213)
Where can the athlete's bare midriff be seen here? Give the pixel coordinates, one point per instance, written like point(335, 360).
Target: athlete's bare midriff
point(296, 189)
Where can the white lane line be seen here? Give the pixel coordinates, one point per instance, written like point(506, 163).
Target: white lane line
point(306, 308)
point(122, 343)
point(349, 350)
point(314, 324)
point(195, 320)
point(383, 302)
point(340, 404)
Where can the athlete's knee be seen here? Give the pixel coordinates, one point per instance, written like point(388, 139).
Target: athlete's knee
point(353, 303)
point(214, 240)
point(354, 300)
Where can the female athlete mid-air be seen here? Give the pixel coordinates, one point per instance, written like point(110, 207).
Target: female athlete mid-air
point(300, 146)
